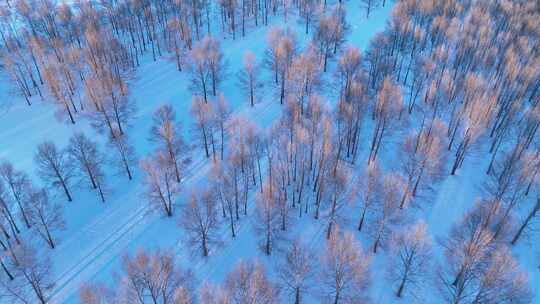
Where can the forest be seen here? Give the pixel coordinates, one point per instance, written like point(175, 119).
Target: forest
point(269, 151)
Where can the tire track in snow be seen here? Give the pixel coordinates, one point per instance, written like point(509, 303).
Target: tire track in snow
point(108, 248)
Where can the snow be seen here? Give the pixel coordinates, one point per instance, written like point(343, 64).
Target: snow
point(98, 234)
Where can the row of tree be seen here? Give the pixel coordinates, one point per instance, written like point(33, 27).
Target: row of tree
point(156, 277)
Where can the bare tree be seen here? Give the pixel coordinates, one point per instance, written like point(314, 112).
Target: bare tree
point(411, 252)
point(15, 72)
point(304, 78)
point(278, 57)
point(249, 283)
point(211, 294)
point(223, 183)
point(467, 248)
point(46, 217)
point(248, 77)
point(199, 70)
point(162, 189)
point(180, 39)
point(297, 270)
point(166, 132)
point(156, 277)
point(369, 5)
point(31, 271)
point(371, 183)
point(207, 68)
point(59, 87)
point(145, 278)
point(341, 193)
point(203, 118)
point(200, 221)
point(387, 111)
point(88, 160)
point(423, 159)
point(95, 293)
point(387, 213)
point(471, 118)
point(112, 111)
point(216, 64)
point(344, 274)
point(222, 113)
point(329, 34)
point(309, 10)
point(7, 215)
point(348, 69)
point(527, 221)
point(501, 281)
point(477, 269)
point(53, 167)
point(268, 219)
point(125, 157)
point(507, 183)
point(19, 185)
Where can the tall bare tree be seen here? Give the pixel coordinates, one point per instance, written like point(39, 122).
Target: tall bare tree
point(46, 217)
point(371, 183)
point(19, 185)
point(166, 132)
point(344, 275)
point(386, 214)
point(203, 123)
point(146, 277)
point(88, 160)
point(162, 188)
point(387, 111)
point(125, 157)
point(423, 159)
point(200, 221)
point(249, 283)
point(411, 252)
point(249, 78)
point(31, 271)
point(222, 113)
point(207, 68)
point(296, 271)
point(268, 220)
point(53, 167)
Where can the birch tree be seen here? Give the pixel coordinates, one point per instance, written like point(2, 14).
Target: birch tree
point(345, 275)
point(200, 221)
point(19, 186)
point(296, 271)
point(411, 254)
point(166, 132)
point(249, 283)
point(161, 187)
point(46, 217)
point(88, 161)
point(53, 167)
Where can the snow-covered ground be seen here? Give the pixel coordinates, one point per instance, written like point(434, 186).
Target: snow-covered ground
point(97, 234)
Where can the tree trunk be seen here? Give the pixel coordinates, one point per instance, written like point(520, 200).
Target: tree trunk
point(64, 186)
point(10, 276)
point(530, 216)
point(205, 246)
point(49, 237)
point(362, 217)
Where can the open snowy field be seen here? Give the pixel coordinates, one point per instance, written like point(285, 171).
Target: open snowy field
point(92, 243)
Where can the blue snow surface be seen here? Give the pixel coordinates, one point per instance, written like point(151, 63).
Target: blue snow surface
point(98, 234)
